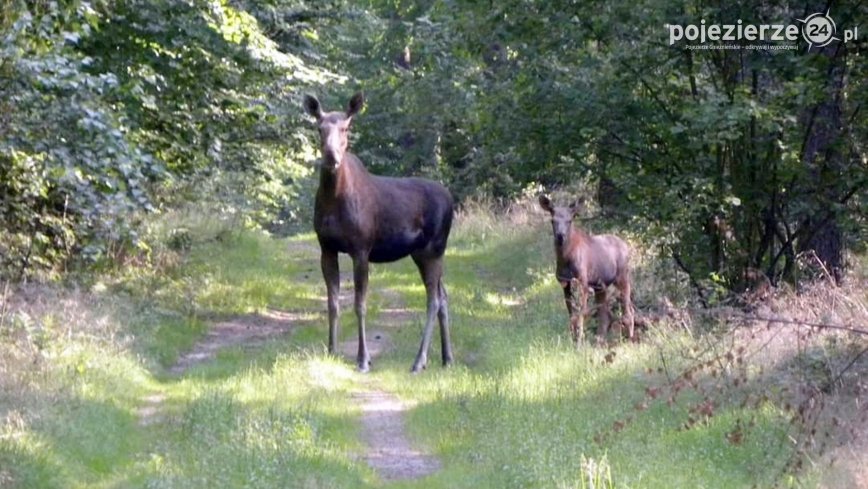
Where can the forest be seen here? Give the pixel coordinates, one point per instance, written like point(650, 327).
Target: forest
point(162, 320)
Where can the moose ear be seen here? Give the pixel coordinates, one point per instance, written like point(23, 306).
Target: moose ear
point(312, 106)
point(356, 104)
point(546, 203)
point(578, 205)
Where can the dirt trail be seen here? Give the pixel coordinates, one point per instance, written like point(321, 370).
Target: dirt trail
point(248, 331)
point(388, 449)
point(151, 410)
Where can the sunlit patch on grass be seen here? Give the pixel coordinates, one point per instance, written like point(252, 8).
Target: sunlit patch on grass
point(328, 374)
point(25, 457)
point(594, 474)
point(497, 300)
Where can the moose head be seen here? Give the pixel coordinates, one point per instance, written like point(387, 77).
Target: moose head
point(562, 217)
point(333, 128)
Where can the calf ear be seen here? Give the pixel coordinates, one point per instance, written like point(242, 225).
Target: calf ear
point(578, 205)
point(312, 106)
point(546, 203)
point(356, 104)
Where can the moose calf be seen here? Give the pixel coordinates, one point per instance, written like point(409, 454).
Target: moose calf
point(585, 261)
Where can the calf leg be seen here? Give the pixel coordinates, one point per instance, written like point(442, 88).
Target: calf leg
point(580, 314)
point(570, 301)
point(332, 276)
point(443, 317)
point(601, 297)
point(431, 270)
point(360, 279)
point(626, 290)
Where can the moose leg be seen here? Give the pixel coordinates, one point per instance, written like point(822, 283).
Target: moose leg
point(570, 300)
point(443, 317)
point(577, 313)
point(431, 271)
point(360, 279)
point(332, 276)
point(583, 306)
point(627, 300)
point(580, 314)
point(601, 297)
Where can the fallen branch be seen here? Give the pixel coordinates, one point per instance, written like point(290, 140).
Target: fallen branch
point(747, 317)
point(846, 368)
point(840, 327)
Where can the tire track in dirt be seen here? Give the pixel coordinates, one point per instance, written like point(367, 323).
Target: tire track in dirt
point(246, 331)
point(250, 330)
point(389, 451)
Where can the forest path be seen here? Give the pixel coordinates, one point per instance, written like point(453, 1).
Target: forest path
point(388, 449)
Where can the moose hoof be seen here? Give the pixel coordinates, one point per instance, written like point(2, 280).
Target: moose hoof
point(364, 367)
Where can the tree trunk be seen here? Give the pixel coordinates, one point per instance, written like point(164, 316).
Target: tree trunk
point(825, 162)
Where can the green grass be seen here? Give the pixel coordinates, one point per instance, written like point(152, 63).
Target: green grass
point(526, 409)
point(522, 408)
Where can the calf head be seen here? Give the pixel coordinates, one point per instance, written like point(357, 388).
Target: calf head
point(562, 218)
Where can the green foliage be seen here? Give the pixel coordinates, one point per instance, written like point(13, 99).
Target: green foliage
point(69, 177)
point(114, 109)
point(733, 161)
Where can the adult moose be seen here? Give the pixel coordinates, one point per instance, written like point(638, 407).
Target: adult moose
point(587, 261)
point(377, 219)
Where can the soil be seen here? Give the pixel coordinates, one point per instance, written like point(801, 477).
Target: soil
point(388, 449)
point(249, 330)
point(389, 452)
